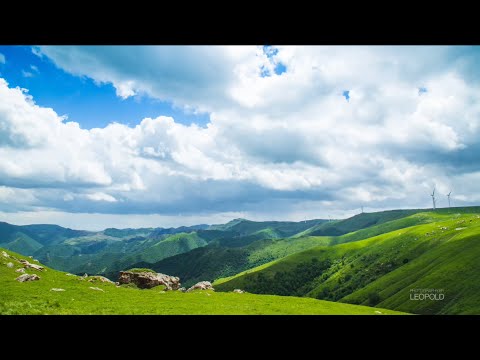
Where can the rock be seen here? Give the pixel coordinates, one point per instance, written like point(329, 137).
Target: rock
point(27, 277)
point(148, 280)
point(10, 265)
point(57, 289)
point(21, 270)
point(182, 289)
point(85, 275)
point(31, 257)
point(202, 285)
point(68, 274)
point(5, 254)
point(102, 279)
point(444, 228)
point(96, 288)
point(238, 291)
point(26, 264)
point(36, 260)
point(377, 312)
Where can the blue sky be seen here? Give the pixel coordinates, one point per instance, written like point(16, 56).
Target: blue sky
point(84, 101)
point(181, 135)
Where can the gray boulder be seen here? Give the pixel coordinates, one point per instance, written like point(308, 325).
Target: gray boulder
point(148, 280)
point(27, 277)
point(202, 285)
point(26, 264)
point(99, 278)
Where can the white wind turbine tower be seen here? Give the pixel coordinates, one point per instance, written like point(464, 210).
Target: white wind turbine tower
point(449, 198)
point(433, 198)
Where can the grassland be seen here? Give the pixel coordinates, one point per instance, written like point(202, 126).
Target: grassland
point(37, 297)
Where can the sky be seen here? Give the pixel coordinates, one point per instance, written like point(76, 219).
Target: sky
point(132, 136)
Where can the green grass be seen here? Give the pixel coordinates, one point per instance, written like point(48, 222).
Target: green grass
point(386, 227)
point(140, 270)
point(382, 269)
point(37, 298)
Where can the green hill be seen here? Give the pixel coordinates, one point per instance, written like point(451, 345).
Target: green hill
point(219, 259)
point(29, 238)
point(382, 270)
point(101, 254)
point(214, 261)
point(57, 293)
point(357, 222)
point(106, 252)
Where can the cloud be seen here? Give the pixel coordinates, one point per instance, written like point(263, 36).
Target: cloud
point(193, 76)
point(284, 145)
point(33, 70)
point(27, 74)
point(100, 196)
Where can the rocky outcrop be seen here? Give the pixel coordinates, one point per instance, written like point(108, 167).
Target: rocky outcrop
point(148, 280)
point(21, 270)
point(4, 254)
point(98, 278)
point(182, 289)
point(202, 285)
point(57, 289)
point(26, 264)
point(238, 291)
point(27, 277)
point(10, 265)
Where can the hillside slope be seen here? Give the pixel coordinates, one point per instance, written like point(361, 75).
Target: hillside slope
point(383, 269)
point(214, 261)
point(57, 293)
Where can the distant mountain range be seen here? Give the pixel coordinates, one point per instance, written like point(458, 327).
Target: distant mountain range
point(111, 250)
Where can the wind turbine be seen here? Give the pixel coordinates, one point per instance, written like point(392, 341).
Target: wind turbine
point(449, 198)
point(433, 198)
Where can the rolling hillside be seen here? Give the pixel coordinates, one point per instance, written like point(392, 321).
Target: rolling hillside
point(81, 251)
point(226, 256)
point(214, 261)
point(382, 270)
point(111, 250)
point(57, 293)
point(29, 238)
